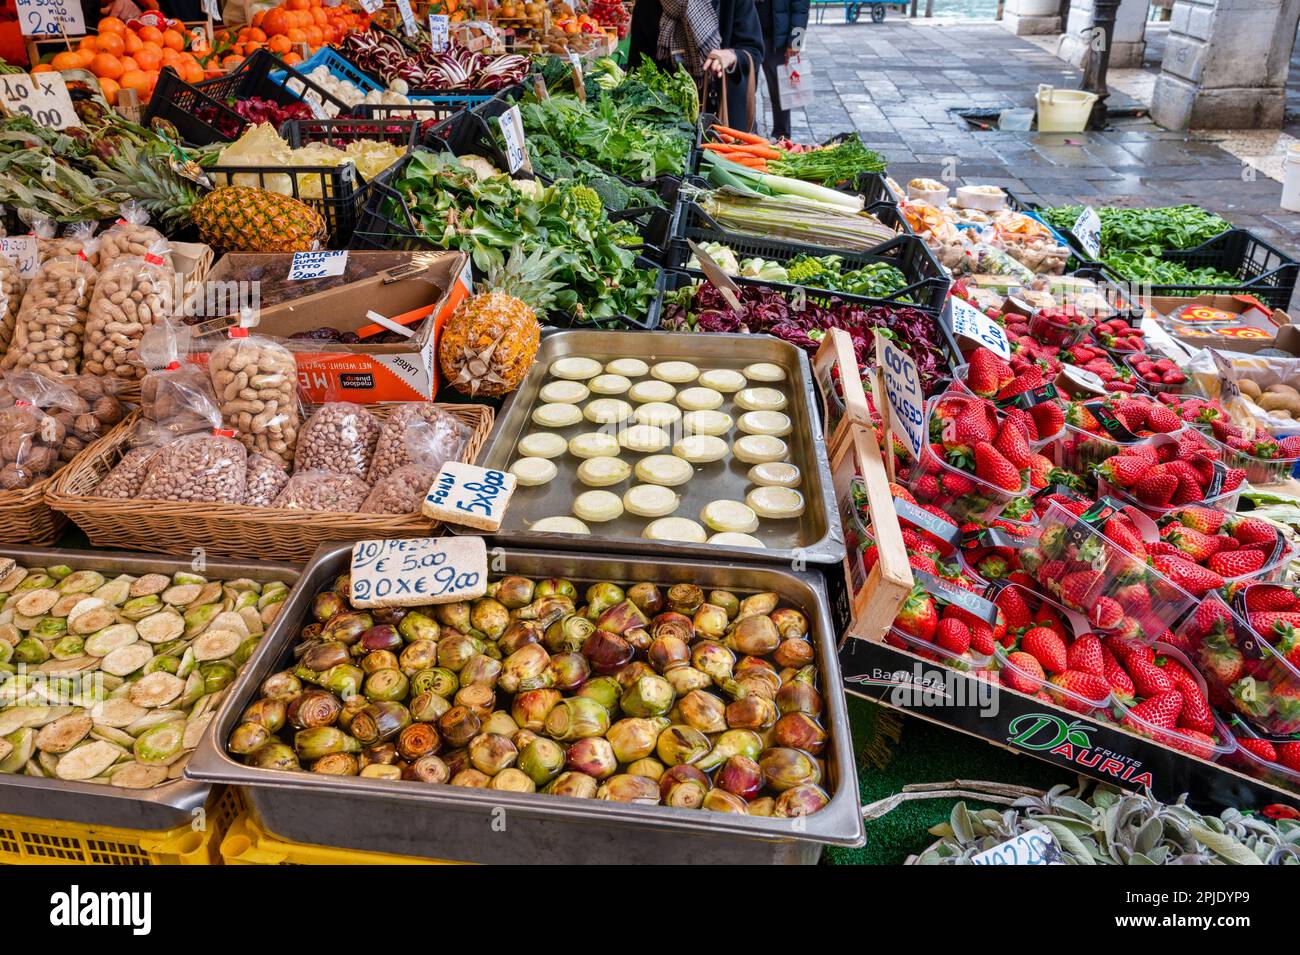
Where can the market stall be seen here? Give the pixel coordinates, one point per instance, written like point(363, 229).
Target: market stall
point(476, 426)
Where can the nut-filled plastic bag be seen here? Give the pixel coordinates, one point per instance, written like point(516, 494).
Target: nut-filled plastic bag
point(266, 479)
point(87, 409)
point(175, 394)
point(208, 467)
point(339, 436)
point(51, 323)
point(132, 294)
point(323, 491)
point(131, 236)
point(444, 441)
point(403, 490)
point(78, 239)
point(256, 383)
point(11, 298)
point(30, 437)
point(124, 481)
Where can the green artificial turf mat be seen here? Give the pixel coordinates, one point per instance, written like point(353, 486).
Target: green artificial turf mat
point(894, 750)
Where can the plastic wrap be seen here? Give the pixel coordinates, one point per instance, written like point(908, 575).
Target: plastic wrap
point(132, 237)
point(30, 438)
point(323, 491)
point(443, 441)
point(51, 323)
point(11, 298)
point(87, 407)
point(202, 467)
point(403, 490)
point(256, 383)
point(339, 436)
point(132, 294)
point(77, 238)
point(266, 479)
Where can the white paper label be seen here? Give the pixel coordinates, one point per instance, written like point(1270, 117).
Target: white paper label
point(42, 97)
point(317, 265)
point(212, 9)
point(512, 129)
point(412, 572)
point(903, 395)
point(370, 6)
point(469, 495)
point(1087, 229)
point(46, 17)
point(1228, 388)
point(970, 323)
point(20, 250)
point(439, 28)
point(408, 17)
point(1035, 847)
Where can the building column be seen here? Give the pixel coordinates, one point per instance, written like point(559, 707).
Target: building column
point(1226, 64)
point(1032, 17)
point(1129, 41)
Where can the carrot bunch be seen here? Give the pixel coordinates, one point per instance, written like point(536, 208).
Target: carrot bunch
point(745, 149)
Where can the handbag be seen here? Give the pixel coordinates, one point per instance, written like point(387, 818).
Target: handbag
point(744, 60)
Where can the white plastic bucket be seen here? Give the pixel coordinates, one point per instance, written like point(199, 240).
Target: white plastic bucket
point(1291, 179)
point(1063, 111)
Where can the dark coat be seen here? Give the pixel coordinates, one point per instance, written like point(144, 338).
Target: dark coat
point(739, 29)
point(779, 19)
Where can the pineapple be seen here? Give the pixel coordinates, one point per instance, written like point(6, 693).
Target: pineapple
point(490, 341)
point(229, 218)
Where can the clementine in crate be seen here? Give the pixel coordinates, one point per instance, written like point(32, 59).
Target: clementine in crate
point(67, 60)
point(151, 35)
point(148, 58)
point(279, 44)
point(276, 21)
point(110, 43)
point(172, 40)
point(105, 64)
point(109, 88)
point(43, 68)
point(133, 43)
point(140, 81)
point(111, 25)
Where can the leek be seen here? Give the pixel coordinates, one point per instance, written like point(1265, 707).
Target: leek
point(793, 219)
point(781, 185)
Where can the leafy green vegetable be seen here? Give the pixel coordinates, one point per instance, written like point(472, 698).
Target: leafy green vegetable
point(876, 280)
point(830, 166)
point(1144, 268)
point(549, 160)
point(1146, 230)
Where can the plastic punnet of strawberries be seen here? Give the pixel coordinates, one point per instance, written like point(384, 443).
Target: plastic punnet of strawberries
point(945, 619)
point(1117, 335)
point(1275, 760)
point(1169, 472)
point(1100, 428)
point(1059, 325)
point(990, 376)
point(1094, 358)
point(1250, 654)
point(1232, 548)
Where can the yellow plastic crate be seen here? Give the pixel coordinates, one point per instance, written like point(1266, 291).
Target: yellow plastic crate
point(27, 841)
point(247, 843)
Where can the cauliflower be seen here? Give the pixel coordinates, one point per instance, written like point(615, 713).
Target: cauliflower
point(528, 187)
point(481, 168)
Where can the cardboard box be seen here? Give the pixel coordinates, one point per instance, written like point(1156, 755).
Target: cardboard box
point(1249, 325)
point(420, 296)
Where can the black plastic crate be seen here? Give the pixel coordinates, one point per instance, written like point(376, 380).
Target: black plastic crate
point(467, 133)
point(342, 191)
point(340, 132)
point(1262, 270)
point(676, 279)
point(192, 111)
point(253, 78)
point(927, 283)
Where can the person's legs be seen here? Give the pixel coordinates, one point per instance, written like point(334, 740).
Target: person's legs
point(780, 117)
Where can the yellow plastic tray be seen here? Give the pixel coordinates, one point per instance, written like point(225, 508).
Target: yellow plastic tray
point(247, 843)
point(27, 841)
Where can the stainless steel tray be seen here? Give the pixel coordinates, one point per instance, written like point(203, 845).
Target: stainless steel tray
point(478, 825)
point(813, 538)
point(163, 807)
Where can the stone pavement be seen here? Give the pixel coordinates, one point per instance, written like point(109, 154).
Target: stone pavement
point(897, 84)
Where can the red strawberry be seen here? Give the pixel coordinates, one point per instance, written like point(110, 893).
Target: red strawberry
point(1194, 742)
point(1220, 660)
point(1288, 754)
point(1162, 419)
point(1148, 679)
point(1197, 546)
point(1013, 445)
point(1207, 520)
point(955, 484)
point(1085, 654)
point(1196, 712)
point(1236, 563)
point(1160, 712)
point(1024, 673)
point(1106, 614)
point(1047, 647)
point(1269, 597)
point(1259, 748)
point(953, 635)
point(1077, 587)
point(987, 373)
point(982, 638)
point(917, 615)
point(1196, 580)
point(1124, 470)
point(1013, 607)
point(1089, 686)
point(992, 467)
point(1048, 418)
point(1156, 487)
point(1117, 678)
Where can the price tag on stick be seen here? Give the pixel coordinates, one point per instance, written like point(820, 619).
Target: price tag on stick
point(370, 6)
point(409, 26)
point(716, 276)
point(1087, 229)
point(970, 323)
point(903, 399)
point(512, 130)
point(439, 28)
point(50, 18)
point(1035, 847)
point(41, 97)
point(413, 572)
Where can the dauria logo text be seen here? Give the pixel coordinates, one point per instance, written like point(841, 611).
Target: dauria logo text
point(1071, 740)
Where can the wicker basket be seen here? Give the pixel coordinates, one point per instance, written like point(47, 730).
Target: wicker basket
point(225, 530)
point(25, 516)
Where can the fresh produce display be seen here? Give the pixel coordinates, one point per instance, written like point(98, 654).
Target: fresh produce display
point(387, 59)
point(129, 55)
point(1144, 268)
point(630, 693)
point(1145, 230)
point(143, 662)
point(876, 280)
point(285, 27)
point(253, 110)
point(261, 145)
point(829, 165)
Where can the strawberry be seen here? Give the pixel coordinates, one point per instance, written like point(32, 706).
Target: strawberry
point(1195, 545)
point(1196, 580)
point(1077, 587)
point(1148, 679)
point(1269, 597)
point(1161, 419)
point(1024, 673)
point(1191, 741)
point(955, 484)
point(1048, 418)
point(1123, 470)
point(953, 635)
point(1089, 686)
point(917, 616)
point(1012, 443)
point(982, 639)
point(1085, 654)
point(1288, 754)
point(1160, 712)
point(993, 468)
point(1220, 660)
point(1013, 607)
point(1211, 617)
point(1117, 678)
point(1236, 563)
point(1156, 487)
point(1106, 614)
point(987, 373)
point(1252, 530)
point(1259, 748)
point(1207, 520)
point(1027, 381)
point(1196, 713)
point(1047, 647)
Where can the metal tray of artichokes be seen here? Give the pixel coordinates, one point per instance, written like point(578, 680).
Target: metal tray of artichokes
point(111, 666)
point(343, 780)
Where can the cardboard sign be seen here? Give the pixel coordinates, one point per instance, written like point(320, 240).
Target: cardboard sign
point(41, 97)
point(1035, 847)
point(50, 18)
point(408, 17)
point(1087, 229)
point(469, 496)
point(512, 130)
point(20, 250)
point(317, 265)
point(439, 31)
point(413, 572)
point(904, 400)
point(970, 323)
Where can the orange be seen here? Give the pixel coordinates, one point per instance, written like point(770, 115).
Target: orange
point(137, 80)
point(43, 68)
point(111, 43)
point(133, 43)
point(253, 34)
point(111, 25)
point(276, 21)
point(106, 64)
point(258, 17)
point(192, 73)
point(279, 44)
point(89, 43)
point(251, 48)
point(151, 35)
point(292, 59)
point(318, 16)
point(173, 40)
point(84, 57)
point(297, 4)
point(148, 58)
point(232, 61)
point(109, 88)
point(67, 60)
point(314, 36)
point(129, 63)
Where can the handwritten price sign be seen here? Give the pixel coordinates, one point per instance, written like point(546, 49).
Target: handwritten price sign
point(409, 26)
point(1036, 847)
point(1087, 229)
point(902, 394)
point(41, 97)
point(970, 323)
point(512, 130)
point(439, 28)
point(50, 17)
point(21, 251)
point(413, 572)
point(317, 265)
point(469, 495)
